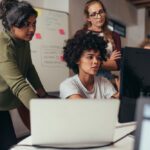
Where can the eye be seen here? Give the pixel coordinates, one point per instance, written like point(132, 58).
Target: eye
point(98, 58)
point(93, 14)
point(90, 57)
point(26, 24)
point(101, 11)
point(34, 24)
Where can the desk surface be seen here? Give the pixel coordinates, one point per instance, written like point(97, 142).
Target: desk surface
point(121, 130)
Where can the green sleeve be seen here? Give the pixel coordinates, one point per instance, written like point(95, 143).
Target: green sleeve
point(11, 74)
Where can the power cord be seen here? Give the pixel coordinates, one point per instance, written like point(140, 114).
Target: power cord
point(88, 147)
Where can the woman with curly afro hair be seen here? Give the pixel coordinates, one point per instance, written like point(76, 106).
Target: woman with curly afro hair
point(84, 54)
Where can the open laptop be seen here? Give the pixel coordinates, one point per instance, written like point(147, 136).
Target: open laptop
point(73, 123)
point(143, 124)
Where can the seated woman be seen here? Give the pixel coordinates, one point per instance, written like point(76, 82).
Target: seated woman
point(84, 54)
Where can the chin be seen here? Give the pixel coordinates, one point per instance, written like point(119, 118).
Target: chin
point(28, 39)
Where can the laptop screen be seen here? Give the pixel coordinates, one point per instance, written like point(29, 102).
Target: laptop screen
point(143, 125)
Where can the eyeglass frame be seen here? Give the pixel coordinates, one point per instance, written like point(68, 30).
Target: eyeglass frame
point(95, 14)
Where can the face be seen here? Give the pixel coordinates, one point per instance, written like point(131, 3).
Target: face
point(97, 16)
point(89, 62)
point(26, 32)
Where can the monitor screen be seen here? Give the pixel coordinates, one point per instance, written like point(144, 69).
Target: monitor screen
point(135, 80)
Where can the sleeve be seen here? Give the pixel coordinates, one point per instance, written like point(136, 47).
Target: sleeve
point(32, 74)
point(68, 88)
point(117, 42)
point(108, 88)
point(11, 74)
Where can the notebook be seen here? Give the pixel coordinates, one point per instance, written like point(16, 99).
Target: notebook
point(142, 135)
point(73, 123)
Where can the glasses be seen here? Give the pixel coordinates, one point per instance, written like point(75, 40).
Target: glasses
point(95, 14)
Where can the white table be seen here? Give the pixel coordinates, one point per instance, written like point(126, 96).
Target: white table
point(121, 129)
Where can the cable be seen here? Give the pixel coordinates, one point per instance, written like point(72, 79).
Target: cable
point(88, 147)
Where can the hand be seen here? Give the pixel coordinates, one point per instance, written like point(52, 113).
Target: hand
point(115, 55)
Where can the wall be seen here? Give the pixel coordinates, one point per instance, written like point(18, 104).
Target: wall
point(121, 10)
point(136, 33)
point(52, 4)
point(76, 15)
point(148, 22)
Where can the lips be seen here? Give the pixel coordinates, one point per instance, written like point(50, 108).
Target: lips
point(95, 68)
point(30, 36)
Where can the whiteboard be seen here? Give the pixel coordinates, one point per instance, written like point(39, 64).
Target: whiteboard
point(47, 48)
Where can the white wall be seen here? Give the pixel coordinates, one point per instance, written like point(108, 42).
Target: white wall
point(121, 10)
point(76, 15)
point(61, 5)
point(136, 33)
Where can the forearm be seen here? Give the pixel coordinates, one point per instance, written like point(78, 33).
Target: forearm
point(18, 85)
point(33, 78)
point(109, 65)
point(41, 92)
point(75, 97)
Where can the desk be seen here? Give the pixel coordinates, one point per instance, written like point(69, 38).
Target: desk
point(121, 129)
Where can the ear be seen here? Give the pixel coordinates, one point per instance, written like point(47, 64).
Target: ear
point(88, 19)
point(78, 62)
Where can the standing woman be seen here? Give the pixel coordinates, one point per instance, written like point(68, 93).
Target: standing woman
point(19, 22)
point(96, 22)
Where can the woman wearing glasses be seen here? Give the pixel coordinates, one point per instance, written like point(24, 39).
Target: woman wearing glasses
point(96, 23)
point(19, 22)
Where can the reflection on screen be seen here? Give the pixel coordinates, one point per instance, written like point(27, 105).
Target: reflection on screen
point(145, 129)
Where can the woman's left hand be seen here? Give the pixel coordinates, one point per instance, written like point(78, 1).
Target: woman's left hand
point(115, 55)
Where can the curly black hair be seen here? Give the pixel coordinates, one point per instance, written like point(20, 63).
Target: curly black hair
point(75, 47)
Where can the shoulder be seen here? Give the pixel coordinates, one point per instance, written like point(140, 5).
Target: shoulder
point(69, 87)
point(6, 44)
point(69, 82)
point(4, 38)
point(115, 35)
point(80, 32)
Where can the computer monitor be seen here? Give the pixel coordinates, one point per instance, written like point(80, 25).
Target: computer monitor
point(135, 80)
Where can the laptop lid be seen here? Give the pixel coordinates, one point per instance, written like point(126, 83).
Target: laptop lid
point(143, 124)
point(73, 122)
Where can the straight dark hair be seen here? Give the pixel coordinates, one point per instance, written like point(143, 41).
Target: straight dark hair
point(15, 13)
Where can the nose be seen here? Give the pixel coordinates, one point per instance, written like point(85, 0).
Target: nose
point(98, 15)
point(95, 60)
point(31, 28)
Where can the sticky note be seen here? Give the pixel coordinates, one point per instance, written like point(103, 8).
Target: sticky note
point(38, 36)
point(61, 58)
point(39, 11)
point(61, 32)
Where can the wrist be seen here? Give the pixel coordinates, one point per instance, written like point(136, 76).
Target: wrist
point(41, 93)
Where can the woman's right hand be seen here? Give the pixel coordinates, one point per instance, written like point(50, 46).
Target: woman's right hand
point(115, 55)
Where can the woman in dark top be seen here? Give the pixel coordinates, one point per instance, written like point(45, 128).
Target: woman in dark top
point(96, 22)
